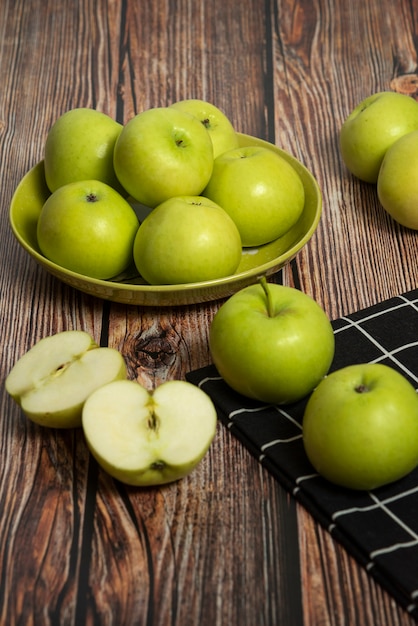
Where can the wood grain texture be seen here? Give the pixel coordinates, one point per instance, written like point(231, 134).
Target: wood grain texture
point(226, 545)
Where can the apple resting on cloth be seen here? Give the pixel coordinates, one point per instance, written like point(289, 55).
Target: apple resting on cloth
point(53, 379)
point(218, 125)
point(372, 127)
point(147, 438)
point(271, 343)
point(397, 184)
point(79, 146)
point(89, 228)
point(360, 428)
point(187, 239)
point(262, 192)
point(162, 153)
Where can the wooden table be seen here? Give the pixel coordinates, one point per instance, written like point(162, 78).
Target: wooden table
point(226, 545)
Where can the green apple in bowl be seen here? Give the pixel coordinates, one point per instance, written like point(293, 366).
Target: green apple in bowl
point(53, 379)
point(89, 228)
point(187, 239)
point(360, 427)
point(218, 125)
point(79, 146)
point(162, 153)
point(372, 127)
point(147, 438)
point(397, 184)
point(272, 343)
point(262, 192)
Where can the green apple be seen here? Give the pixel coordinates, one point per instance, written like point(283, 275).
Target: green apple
point(53, 379)
point(79, 146)
point(397, 184)
point(360, 427)
point(162, 153)
point(262, 192)
point(372, 127)
point(147, 438)
point(187, 239)
point(272, 343)
point(219, 126)
point(89, 228)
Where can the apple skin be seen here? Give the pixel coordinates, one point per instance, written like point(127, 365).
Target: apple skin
point(262, 193)
point(52, 380)
point(218, 125)
point(397, 184)
point(360, 427)
point(372, 127)
point(89, 228)
point(162, 153)
point(272, 343)
point(147, 438)
point(187, 239)
point(79, 146)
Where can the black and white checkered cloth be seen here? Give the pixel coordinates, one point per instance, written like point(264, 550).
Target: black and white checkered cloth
point(380, 527)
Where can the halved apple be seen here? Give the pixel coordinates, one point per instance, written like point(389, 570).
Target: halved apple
point(53, 379)
point(147, 438)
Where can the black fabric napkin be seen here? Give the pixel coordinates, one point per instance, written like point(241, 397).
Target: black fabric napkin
point(380, 527)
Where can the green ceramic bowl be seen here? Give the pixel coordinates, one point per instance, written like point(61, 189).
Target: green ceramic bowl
point(129, 288)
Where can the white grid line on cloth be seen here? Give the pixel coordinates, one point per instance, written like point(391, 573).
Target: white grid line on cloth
point(382, 505)
point(274, 442)
point(377, 503)
point(208, 379)
point(257, 409)
point(385, 353)
point(405, 303)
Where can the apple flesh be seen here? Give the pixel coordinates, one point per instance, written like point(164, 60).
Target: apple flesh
point(147, 438)
point(261, 192)
point(397, 184)
point(272, 343)
point(372, 127)
point(79, 146)
point(187, 239)
point(162, 153)
point(218, 125)
point(53, 379)
point(89, 228)
point(360, 427)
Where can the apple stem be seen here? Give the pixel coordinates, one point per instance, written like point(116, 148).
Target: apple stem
point(362, 388)
point(267, 291)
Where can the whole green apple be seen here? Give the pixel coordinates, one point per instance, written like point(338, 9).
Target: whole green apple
point(219, 126)
point(397, 184)
point(162, 153)
point(147, 438)
point(272, 343)
point(360, 427)
point(89, 228)
point(79, 146)
point(372, 127)
point(187, 239)
point(262, 192)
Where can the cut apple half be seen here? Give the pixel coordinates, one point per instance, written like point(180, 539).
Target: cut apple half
point(147, 438)
point(54, 378)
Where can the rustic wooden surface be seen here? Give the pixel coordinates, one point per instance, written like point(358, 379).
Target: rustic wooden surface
point(226, 545)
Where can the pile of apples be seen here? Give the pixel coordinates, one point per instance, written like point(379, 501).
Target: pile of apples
point(171, 192)
point(379, 145)
point(269, 342)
